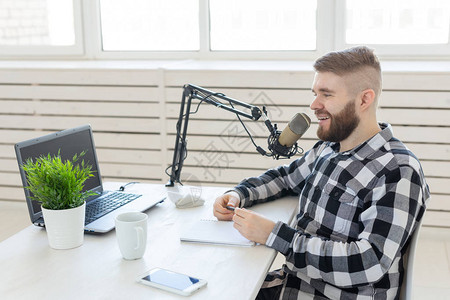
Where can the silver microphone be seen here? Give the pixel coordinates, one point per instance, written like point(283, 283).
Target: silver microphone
point(295, 129)
point(284, 143)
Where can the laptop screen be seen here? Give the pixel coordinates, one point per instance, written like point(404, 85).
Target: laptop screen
point(69, 142)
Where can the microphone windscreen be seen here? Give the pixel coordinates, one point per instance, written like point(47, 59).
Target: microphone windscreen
point(295, 129)
point(299, 123)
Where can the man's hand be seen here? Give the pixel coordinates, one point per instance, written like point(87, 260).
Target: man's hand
point(220, 206)
point(252, 226)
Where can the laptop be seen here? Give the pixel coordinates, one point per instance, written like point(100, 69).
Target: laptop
point(101, 208)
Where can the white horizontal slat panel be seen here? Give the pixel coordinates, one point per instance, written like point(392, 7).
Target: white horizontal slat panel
point(417, 99)
point(422, 134)
point(439, 185)
point(130, 171)
point(11, 178)
point(436, 168)
point(304, 97)
point(232, 145)
point(140, 180)
point(439, 202)
point(210, 112)
point(83, 77)
point(8, 165)
point(430, 151)
point(130, 156)
point(76, 108)
point(9, 136)
point(6, 151)
point(99, 123)
point(233, 160)
point(102, 140)
point(237, 78)
point(416, 81)
point(12, 193)
point(216, 175)
point(127, 140)
point(231, 129)
point(433, 117)
point(91, 93)
point(436, 219)
point(257, 97)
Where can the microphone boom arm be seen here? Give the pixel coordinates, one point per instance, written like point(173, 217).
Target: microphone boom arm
point(190, 92)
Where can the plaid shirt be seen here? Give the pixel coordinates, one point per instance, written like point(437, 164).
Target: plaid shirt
point(357, 212)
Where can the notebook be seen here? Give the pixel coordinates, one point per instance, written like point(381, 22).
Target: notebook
point(208, 231)
point(101, 208)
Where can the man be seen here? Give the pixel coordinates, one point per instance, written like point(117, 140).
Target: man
point(361, 194)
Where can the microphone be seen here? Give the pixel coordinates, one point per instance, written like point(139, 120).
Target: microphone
point(285, 143)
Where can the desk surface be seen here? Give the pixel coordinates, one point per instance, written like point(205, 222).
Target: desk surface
point(30, 269)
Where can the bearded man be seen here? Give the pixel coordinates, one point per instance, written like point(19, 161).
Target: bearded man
point(361, 192)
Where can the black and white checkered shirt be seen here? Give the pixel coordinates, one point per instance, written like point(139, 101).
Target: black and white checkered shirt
point(357, 212)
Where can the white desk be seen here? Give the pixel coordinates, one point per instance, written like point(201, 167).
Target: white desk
point(30, 269)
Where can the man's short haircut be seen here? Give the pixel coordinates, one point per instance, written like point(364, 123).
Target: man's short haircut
point(359, 64)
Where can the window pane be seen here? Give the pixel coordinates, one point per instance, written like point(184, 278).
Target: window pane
point(263, 25)
point(37, 23)
point(397, 22)
point(152, 25)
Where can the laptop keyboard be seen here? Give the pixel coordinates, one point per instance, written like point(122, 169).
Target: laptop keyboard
point(106, 204)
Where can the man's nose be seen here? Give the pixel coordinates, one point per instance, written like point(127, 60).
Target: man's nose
point(315, 104)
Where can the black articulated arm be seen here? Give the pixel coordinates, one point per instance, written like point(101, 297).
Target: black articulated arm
point(217, 99)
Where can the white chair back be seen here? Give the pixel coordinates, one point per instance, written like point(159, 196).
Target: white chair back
point(408, 263)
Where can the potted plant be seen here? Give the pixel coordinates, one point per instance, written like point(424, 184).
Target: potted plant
point(58, 186)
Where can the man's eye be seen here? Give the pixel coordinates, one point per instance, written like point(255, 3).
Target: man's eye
point(327, 95)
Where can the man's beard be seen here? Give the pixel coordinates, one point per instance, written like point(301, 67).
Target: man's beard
point(341, 125)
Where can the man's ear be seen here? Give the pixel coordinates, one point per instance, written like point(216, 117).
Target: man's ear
point(367, 98)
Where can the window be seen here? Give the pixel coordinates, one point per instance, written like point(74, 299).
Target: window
point(222, 29)
point(39, 27)
point(412, 26)
point(262, 25)
point(397, 22)
point(150, 25)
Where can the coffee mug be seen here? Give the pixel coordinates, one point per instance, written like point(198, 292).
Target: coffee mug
point(131, 233)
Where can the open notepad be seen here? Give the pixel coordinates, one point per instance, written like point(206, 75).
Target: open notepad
point(210, 231)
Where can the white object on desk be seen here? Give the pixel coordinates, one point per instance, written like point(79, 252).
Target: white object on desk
point(185, 196)
point(214, 232)
point(131, 233)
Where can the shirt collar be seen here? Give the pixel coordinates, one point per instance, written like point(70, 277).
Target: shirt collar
point(371, 145)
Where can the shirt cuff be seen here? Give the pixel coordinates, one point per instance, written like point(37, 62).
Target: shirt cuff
point(239, 195)
point(281, 237)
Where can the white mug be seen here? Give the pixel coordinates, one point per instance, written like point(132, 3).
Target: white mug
point(131, 233)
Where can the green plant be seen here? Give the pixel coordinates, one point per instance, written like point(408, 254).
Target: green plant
point(56, 184)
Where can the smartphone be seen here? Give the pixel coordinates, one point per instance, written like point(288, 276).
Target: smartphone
point(177, 283)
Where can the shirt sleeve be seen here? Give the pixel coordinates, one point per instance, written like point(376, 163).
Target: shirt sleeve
point(278, 182)
point(388, 219)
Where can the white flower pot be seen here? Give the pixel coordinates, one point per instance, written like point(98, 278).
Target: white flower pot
point(65, 228)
